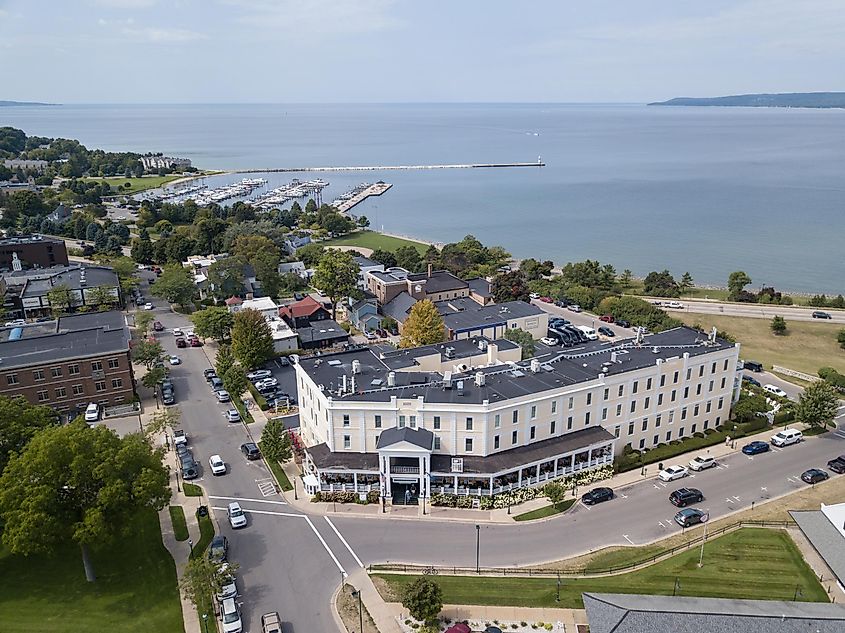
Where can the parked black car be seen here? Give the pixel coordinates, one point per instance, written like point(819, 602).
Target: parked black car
point(837, 465)
point(597, 495)
point(250, 450)
point(814, 476)
point(218, 551)
point(683, 497)
point(623, 323)
point(209, 374)
point(188, 466)
point(751, 380)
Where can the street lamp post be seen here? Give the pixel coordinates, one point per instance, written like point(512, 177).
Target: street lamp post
point(205, 622)
point(294, 489)
point(557, 596)
point(191, 545)
point(477, 548)
point(357, 594)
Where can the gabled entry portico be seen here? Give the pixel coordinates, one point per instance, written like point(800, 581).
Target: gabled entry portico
point(404, 464)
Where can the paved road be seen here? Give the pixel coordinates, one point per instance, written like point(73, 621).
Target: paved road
point(757, 311)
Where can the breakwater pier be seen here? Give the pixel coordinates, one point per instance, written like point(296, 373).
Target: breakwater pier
point(270, 170)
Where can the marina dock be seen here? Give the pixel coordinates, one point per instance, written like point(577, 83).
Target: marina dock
point(268, 170)
point(373, 190)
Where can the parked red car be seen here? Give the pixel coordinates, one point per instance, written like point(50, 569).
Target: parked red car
point(546, 299)
point(607, 318)
point(195, 342)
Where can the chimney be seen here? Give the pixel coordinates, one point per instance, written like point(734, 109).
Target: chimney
point(429, 269)
point(535, 365)
point(356, 366)
point(479, 378)
point(343, 388)
point(612, 357)
point(492, 354)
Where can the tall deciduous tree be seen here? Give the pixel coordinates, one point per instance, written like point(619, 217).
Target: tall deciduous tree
point(60, 298)
point(163, 420)
point(336, 275)
point(234, 380)
point(523, 339)
point(818, 404)
point(214, 322)
point(176, 285)
point(275, 441)
point(424, 326)
point(78, 484)
point(19, 422)
point(224, 360)
point(153, 377)
point(686, 282)
point(227, 277)
point(510, 286)
point(147, 353)
point(423, 599)
point(737, 281)
point(204, 577)
point(252, 340)
point(143, 321)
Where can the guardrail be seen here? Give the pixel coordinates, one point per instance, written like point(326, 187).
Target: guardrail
point(584, 572)
point(795, 374)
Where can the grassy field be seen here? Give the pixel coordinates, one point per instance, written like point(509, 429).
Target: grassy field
point(751, 563)
point(191, 490)
point(135, 589)
point(545, 511)
point(137, 184)
point(373, 240)
point(180, 525)
point(281, 476)
point(806, 346)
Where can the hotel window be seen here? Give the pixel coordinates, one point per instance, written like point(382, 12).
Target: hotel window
point(710, 387)
point(469, 424)
point(681, 432)
point(345, 419)
point(43, 396)
point(589, 399)
point(684, 413)
point(686, 392)
point(587, 419)
point(659, 399)
point(634, 387)
point(554, 406)
point(413, 420)
point(725, 368)
point(604, 414)
point(689, 373)
point(533, 411)
point(707, 408)
point(96, 366)
point(347, 441)
point(571, 403)
point(114, 363)
point(646, 403)
point(495, 442)
point(621, 390)
point(468, 445)
point(38, 374)
point(616, 431)
point(515, 417)
point(706, 424)
point(606, 394)
point(552, 427)
point(645, 424)
point(78, 390)
point(656, 440)
point(497, 421)
point(723, 382)
point(436, 443)
point(671, 416)
point(692, 429)
point(631, 427)
point(713, 368)
point(514, 437)
point(721, 400)
point(668, 436)
point(663, 380)
point(698, 389)
point(648, 384)
point(378, 422)
point(633, 405)
point(12, 379)
point(401, 421)
point(675, 378)
point(657, 420)
point(117, 383)
point(61, 392)
point(569, 423)
point(695, 410)
point(100, 385)
point(533, 432)
point(56, 372)
point(642, 443)
point(618, 410)
point(700, 371)
point(674, 395)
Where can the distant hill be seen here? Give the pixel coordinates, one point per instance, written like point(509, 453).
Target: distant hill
point(11, 104)
point(783, 100)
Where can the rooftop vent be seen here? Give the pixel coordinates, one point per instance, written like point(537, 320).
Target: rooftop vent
point(391, 379)
point(356, 366)
point(479, 378)
point(449, 352)
point(655, 350)
point(334, 362)
point(377, 382)
point(535, 365)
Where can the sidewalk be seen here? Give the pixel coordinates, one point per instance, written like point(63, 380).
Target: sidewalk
point(818, 565)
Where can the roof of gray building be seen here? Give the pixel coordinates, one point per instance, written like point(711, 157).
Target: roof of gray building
point(631, 613)
point(29, 239)
point(465, 314)
point(70, 337)
point(324, 330)
point(391, 275)
point(504, 382)
point(40, 281)
point(439, 281)
point(451, 350)
point(365, 262)
point(825, 538)
point(399, 307)
point(480, 286)
point(418, 437)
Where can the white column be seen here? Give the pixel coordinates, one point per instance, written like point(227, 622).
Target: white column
point(355, 481)
point(519, 482)
point(556, 458)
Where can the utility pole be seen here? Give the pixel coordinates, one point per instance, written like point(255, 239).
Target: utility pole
point(703, 540)
point(557, 596)
point(477, 548)
point(357, 593)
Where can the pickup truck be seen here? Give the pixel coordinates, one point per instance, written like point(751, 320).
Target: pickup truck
point(180, 437)
point(270, 622)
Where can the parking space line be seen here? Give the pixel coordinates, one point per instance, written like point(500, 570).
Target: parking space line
point(343, 540)
point(625, 536)
point(281, 503)
point(275, 514)
point(326, 545)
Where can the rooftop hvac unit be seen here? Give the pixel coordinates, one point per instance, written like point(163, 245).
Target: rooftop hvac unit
point(613, 357)
point(391, 379)
point(479, 378)
point(482, 345)
point(449, 352)
point(356, 366)
point(655, 350)
point(535, 365)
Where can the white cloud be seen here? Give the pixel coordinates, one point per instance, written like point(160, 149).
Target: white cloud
point(152, 34)
point(314, 17)
point(125, 4)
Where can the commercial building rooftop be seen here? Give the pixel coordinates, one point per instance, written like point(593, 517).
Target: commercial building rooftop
point(39, 282)
point(465, 314)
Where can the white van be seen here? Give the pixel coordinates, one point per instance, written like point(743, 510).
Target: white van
point(775, 390)
point(787, 437)
point(589, 332)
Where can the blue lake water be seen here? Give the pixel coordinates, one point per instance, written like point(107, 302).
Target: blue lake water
point(705, 190)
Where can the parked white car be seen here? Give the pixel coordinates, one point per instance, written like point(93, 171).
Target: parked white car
point(533, 295)
point(92, 412)
point(177, 331)
point(259, 374)
point(174, 360)
point(230, 616)
point(702, 462)
point(548, 340)
point(677, 305)
point(775, 390)
point(237, 518)
point(266, 382)
point(218, 466)
point(589, 332)
point(148, 306)
point(787, 437)
point(228, 587)
point(672, 472)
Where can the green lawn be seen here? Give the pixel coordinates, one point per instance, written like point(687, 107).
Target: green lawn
point(750, 563)
point(137, 184)
point(180, 526)
point(281, 475)
point(545, 511)
point(191, 490)
point(374, 240)
point(135, 590)
point(806, 347)
point(206, 534)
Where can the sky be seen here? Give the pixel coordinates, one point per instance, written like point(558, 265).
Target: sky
point(346, 51)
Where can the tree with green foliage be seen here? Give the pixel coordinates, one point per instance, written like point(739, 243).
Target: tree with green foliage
point(818, 404)
point(234, 380)
point(224, 360)
point(19, 422)
point(101, 296)
point(154, 377)
point(175, 285)
point(275, 441)
point(686, 282)
point(833, 377)
point(310, 254)
point(423, 599)
point(384, 257)
point(60, 298)
point(840, 338)
point(252, 339)
point(142, 251)
point(534, 269)
point(213, 322)
point(778, 325)
point(79, 484)
point(408, 257)
point(204, 577)
point(555, 492)
point(737, 281)
point(749, 406)
point(523, 339)
point(424, 326)
point(147, 353)
point(626, 278)
point(661, 284)
point(162, 421)
point(337, 276)
point(590, 274)
point(510, 286)
point(637, 312)
point(389, 324)
point(226, 277)
point(143, 321)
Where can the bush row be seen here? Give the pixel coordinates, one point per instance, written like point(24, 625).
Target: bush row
point(341, 496)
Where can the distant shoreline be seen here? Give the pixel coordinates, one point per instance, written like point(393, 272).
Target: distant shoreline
point(820, 100)
point(16, 104)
